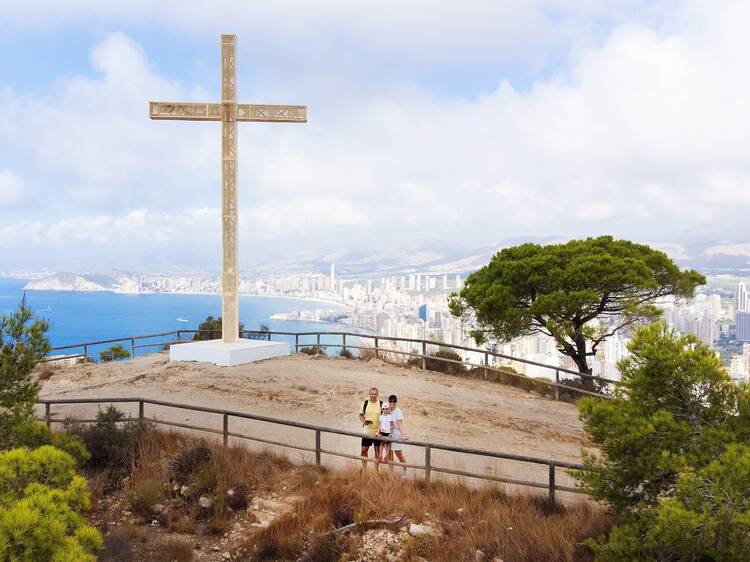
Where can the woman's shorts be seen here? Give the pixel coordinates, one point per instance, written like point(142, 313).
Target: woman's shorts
point(367, 442)
point(397, 446)
point(384, 434)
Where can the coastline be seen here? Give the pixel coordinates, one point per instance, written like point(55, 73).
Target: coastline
point(321, 300)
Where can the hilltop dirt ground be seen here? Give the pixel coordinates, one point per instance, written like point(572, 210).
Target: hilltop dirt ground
point(329, 391)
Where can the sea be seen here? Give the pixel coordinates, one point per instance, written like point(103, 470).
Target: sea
point(77, 317)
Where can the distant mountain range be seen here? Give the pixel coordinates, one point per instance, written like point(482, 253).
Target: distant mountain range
point(83, 282)
point(430, 256)
point(438, 257)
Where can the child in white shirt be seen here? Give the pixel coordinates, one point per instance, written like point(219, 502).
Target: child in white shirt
point(386, 428)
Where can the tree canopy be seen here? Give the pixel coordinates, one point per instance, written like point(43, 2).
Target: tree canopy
point(22, 344)
point(210, 329)
point(580, 292)
point(673, 459)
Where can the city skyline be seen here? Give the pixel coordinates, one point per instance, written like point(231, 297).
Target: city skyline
point(555, 119)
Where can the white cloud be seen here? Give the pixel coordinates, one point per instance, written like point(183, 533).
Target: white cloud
point(729, 250)
point(12, 189)
point(644, 134)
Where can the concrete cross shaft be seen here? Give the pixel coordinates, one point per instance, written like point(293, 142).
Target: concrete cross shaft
point(228, 112)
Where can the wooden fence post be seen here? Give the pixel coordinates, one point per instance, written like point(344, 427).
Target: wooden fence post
point(317, 348)
point(486, 364)
point(557, 382)
point(132, 348)
point(344, 344)
point(296, 343)
point(552, 483)
point(427, 460)
point(226, 430)
point(376, 347)
point(424, 355)
point(317, 447)
point(140, 409)
point(47, 414)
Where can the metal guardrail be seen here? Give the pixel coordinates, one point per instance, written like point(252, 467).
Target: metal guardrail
point(428, 467)
point(556, 385)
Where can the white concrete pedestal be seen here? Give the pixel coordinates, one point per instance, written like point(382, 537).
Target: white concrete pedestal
point(227, 354)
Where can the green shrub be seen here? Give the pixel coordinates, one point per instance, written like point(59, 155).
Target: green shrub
point(312, 350)
point(34, 434)
point(210, 329)
point(42, 502)
point(346, 354)
point(707, 517)
point(114, 353)
point(674, 464)
point(22, 345)
point(111, 441)
point(434, 362)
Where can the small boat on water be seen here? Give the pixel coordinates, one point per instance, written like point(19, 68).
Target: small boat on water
point(183, 320)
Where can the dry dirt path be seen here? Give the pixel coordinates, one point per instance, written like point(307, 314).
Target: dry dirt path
point(329, 391)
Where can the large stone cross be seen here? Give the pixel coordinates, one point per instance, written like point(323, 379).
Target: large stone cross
point(228, 112)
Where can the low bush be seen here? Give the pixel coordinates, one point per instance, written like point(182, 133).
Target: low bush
point(114, 353)
point(120, 542)
point(34, 434)
point(188, 462)
point(312, 350)
point(280, 541)
point(435, 362)
point(111, 441)
point(42, 501)
point(346, 354)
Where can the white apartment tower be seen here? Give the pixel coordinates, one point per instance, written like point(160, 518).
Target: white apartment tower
point(333, 277)
point(743, 300)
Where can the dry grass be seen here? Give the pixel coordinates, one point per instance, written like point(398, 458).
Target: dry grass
point(172, 549)
point(519, 528)
point(511, 527)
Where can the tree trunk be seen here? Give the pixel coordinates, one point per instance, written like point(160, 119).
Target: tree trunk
point(580, 360)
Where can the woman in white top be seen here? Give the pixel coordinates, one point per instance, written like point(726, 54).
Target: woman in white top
point(399, 432)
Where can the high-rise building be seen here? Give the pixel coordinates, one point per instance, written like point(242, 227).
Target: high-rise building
point(459, 283)
point(423, 312)
point(743, 300)
point(333, 278)
point(743, 326)
point(445, 281)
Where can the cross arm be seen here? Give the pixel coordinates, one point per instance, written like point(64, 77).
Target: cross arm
point(273, 113)
point(184, 111)
point(213, 112)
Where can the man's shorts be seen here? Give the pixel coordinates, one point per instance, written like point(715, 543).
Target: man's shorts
point(367, 442)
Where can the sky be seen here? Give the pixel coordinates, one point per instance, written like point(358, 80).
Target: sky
point(465, 122)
